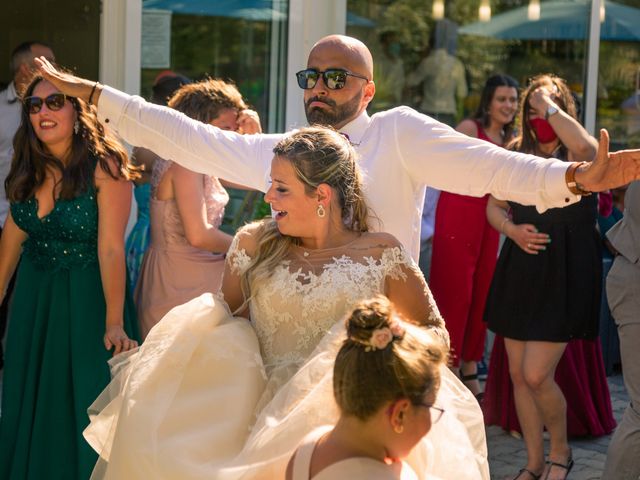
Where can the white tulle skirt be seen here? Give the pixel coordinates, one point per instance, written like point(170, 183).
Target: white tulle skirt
point(194, 403)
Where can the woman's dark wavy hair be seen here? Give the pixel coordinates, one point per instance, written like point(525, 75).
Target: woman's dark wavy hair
point(490, 87)
point(31, 158)
point(526, 141)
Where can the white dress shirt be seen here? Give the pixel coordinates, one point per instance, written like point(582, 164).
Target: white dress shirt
point(400, 152)
point(9, 122)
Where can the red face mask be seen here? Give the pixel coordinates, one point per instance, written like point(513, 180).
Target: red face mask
point(543, 130)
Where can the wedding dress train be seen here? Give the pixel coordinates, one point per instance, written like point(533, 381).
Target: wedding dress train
point(208, 396)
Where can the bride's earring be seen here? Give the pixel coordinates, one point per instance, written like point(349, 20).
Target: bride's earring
point(76, 127)
point(398, 428)
point(320, 211)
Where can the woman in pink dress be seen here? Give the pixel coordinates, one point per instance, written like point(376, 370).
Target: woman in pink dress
point(465, 246)
point(186, 255)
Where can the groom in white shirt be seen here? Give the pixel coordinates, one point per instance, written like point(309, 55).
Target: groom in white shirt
point(400, 150)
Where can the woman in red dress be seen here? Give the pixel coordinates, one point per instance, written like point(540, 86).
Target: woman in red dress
point(465, 246)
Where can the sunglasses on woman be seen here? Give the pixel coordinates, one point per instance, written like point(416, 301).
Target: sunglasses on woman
point(54, 102)
point(334, 78)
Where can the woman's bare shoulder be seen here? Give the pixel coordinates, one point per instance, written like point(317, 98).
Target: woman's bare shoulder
point(468, 127)
point(377, 241)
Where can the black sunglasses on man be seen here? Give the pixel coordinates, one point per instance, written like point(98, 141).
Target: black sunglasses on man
point(334, 78)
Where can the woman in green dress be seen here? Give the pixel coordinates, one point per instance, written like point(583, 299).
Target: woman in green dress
point(70, 199)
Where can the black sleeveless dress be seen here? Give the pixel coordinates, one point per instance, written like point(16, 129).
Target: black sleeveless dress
point(553, 296)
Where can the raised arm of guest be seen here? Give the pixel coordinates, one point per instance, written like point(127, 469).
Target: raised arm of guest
point(581, 146)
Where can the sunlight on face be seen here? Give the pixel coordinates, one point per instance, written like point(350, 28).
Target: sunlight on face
point(54, 128)
point(294, 209)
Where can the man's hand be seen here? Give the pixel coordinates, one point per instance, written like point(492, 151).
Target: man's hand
point(609, 169)
point(67, 83)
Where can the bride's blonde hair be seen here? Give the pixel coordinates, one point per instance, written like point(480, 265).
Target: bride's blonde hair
point(318, 155)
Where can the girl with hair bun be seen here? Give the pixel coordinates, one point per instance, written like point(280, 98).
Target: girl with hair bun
point(385, 381)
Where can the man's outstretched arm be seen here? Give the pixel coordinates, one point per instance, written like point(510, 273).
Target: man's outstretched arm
point(241, 159)
point(439, 156)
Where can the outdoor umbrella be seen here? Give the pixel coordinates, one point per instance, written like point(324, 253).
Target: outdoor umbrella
point(256, 10)
point(560, 20)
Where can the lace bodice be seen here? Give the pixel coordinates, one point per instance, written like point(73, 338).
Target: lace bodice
point(167, 229)
point(64, 238)
point(310, 291)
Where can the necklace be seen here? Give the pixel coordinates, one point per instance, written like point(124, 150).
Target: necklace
point(306, 252)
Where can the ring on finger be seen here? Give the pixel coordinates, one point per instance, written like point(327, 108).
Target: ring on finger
point(529, 245)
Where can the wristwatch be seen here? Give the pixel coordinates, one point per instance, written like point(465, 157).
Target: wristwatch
point(551, 110)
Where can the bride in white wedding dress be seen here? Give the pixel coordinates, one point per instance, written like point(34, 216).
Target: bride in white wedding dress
point(213, 396)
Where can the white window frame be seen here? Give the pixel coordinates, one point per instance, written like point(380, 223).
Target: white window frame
point(120, 42)
point(590, 99)
point(309, 21)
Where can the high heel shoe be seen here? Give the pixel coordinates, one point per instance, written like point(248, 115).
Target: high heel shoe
point(566, 466)
point(528, 472)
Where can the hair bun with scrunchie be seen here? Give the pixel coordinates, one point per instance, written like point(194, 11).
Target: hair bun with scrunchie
point(374, 325)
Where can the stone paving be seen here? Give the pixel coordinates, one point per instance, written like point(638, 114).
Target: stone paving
point(507, 454)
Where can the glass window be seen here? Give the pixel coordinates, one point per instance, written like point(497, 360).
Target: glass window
point(618, 107)
point(435, 55)
point(64, 24)
point(240, 40)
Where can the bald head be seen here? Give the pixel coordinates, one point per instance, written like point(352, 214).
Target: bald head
point(342, 52)
point(338, 106)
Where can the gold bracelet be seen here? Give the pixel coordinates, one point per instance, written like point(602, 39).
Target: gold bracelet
point(93, 90)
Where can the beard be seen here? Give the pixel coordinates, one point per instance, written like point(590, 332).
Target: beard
point(335, 116)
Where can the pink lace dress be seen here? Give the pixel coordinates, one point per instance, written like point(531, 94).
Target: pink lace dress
point(174, 272)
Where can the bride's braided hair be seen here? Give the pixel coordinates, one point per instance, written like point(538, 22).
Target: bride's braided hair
point(370, 371)
point(318, 155)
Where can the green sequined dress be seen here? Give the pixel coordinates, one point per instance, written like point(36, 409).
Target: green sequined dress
point(56, 362)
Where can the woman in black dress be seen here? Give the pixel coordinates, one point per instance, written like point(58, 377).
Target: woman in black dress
point(546, 287)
